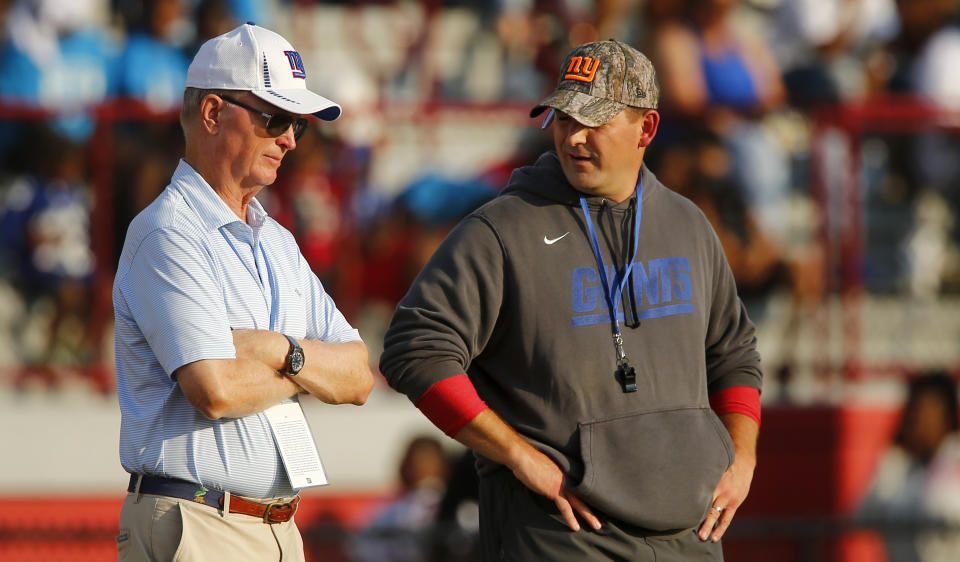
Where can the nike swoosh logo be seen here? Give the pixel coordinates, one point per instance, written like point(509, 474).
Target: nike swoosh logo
point(549, 241)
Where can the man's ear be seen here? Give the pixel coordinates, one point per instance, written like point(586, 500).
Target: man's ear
point(648, 127)
point(210, 108)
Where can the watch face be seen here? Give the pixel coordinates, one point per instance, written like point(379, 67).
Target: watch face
point(296, 361)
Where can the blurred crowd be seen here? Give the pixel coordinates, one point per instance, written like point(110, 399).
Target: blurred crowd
point(89, 95)
point(89, 91)
point(914, 496)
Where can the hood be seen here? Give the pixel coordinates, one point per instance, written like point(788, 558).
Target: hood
point(545, 179)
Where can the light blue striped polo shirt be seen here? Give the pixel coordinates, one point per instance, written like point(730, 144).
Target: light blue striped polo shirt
point(189, 272)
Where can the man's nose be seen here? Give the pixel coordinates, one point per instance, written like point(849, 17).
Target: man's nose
point(576, 134)
point(287, 139)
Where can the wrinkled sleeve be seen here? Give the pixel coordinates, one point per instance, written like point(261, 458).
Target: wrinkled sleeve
point(175, 298)
point(731, 343)
point(450, 312)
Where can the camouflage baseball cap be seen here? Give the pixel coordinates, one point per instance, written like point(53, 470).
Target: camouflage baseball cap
point(599, 79)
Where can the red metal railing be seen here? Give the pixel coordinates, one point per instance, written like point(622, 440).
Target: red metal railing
point(842, 203)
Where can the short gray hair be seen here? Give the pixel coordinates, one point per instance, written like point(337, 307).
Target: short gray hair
point(192, 97)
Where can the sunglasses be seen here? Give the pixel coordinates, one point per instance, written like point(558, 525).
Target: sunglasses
point(277, 123)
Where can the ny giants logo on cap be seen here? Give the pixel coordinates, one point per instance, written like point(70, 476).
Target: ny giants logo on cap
point(296, 64)
point(582, 68)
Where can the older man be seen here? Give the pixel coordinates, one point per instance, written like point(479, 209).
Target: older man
point(221, 324)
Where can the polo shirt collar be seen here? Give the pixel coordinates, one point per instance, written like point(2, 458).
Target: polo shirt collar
point(210, 208)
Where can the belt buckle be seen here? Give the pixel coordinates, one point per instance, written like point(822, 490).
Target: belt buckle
point(286, 508)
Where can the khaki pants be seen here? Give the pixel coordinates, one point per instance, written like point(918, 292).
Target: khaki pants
point(164, 529)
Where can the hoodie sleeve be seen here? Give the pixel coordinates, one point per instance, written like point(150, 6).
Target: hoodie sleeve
point(731, 343)
point(444, 321)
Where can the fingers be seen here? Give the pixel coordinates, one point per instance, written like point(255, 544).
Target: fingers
point(725, 519)
point(717, 521)
point(544, 477)
point(712, 517)
point(566, 511)
point(584, 511)
point(570, 506)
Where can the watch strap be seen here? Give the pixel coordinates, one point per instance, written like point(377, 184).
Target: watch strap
point(294, 346)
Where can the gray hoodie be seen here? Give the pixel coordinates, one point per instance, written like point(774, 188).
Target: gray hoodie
point(513, 298)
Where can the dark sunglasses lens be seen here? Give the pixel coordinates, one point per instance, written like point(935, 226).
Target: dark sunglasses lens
point(278, 125)
point(299, 127)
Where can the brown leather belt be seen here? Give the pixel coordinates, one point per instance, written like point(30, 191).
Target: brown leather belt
point(277, 512)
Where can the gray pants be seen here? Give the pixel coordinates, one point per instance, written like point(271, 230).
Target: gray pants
point(519, 525)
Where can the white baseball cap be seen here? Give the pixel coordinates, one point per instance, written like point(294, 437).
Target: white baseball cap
point(262, 62)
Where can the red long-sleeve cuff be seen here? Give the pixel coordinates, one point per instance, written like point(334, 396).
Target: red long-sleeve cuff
point(737, 400)
point(451, 403)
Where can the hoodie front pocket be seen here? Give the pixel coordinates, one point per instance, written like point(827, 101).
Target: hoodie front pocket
point(656, 470)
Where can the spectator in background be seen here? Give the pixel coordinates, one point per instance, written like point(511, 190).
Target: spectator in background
point(152, 71)
point(45, 222)
point(250, 10)
point(700, 168)
point(719, 75)
point(720, 64)
point(916, 487)
point(922, 61)
point(212, 18)
point(925, 50)
point(56, 58)
point(458, 515)
point(523, 33)
point(153, 68)
point(402, 531)
point(391, 40)
point(825, 47)
point(397, 244)
point(313, 203)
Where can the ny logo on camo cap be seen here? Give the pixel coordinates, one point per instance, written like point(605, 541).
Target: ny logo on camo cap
point(582, 69)
point(599, 79)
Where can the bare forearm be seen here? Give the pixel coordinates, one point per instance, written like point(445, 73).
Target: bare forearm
point(336, 373)
point(233, 388)
point(490, 436)
point(266, 347)
point(744, 432)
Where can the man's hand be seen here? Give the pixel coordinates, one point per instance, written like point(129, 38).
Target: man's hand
point(537, 472)
point(493, 438)
point(727, 497)
point(735, 483)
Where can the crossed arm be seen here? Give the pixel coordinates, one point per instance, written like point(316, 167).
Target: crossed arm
point(335, 373)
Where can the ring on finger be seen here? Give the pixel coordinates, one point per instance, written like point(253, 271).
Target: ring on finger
point(719, 509)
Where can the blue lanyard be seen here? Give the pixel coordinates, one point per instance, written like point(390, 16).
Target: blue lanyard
point(613, 294)
point(274, 288)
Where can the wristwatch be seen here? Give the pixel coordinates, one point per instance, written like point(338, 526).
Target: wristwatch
point(295, 358)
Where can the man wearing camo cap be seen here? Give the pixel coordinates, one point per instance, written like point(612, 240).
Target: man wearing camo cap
point(583, 335)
